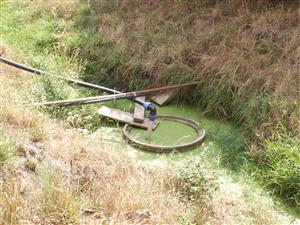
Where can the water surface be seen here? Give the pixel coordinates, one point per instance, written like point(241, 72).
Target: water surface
point(173, 133)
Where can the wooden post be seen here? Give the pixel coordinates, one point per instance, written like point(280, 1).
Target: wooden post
point(125, 117)
point(139, 112)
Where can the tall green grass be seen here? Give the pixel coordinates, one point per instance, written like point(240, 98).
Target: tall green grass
point(279, 169)
point(8, 149)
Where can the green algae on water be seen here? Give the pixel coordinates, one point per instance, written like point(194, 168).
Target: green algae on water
point(167, 133)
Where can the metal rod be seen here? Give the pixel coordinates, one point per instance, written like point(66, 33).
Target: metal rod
point(70, 80)
point(130, 95)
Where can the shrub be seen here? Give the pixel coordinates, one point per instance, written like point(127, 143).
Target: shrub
point(280, 168)
point(191, 181)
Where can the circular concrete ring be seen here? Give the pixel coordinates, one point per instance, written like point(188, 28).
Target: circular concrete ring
point(165, 149)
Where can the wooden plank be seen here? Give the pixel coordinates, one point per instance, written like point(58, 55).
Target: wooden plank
point(124, 117)
point(163, 98)
point(139, 112)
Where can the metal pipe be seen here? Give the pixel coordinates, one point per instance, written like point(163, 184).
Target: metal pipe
point(70, 80)
point(130, 95)
point(150, 107)
point(147, 105)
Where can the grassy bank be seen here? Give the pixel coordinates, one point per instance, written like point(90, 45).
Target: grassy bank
point(245, 60)
point(245, 55)
point(51, 171)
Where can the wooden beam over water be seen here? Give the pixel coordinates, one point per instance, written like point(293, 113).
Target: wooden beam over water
point(139, 112)
point(163, 98)
point(124, 117)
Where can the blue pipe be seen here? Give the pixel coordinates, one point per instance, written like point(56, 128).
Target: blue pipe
point(152, 110)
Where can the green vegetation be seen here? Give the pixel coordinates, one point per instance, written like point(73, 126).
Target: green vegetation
point(279, 168)
point(191, 183)
point(58, 204)
point(41, 44)
point(8, 148)
point(244, 59)
point(240, 58)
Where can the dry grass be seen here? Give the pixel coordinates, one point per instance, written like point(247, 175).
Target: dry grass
point(23, 119)
point(11, 202)
point(83, 182)
point(111, 183)
point(11, 97)
point(245, 55)
point(253, 48)
point(79, 179)
point(248, 49)
point(73, 177)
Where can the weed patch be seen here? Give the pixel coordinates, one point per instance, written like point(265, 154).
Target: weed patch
point(57, 203)
point(190, 181)
point(8, 149)
point(279, 169)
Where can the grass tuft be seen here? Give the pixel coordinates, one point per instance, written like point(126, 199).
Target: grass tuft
point(57, 203)
point(11, 202)
point(8, 148)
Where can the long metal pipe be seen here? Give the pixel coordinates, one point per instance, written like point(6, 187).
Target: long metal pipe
point(116, 94)
point(130, 95)
point(70, 80)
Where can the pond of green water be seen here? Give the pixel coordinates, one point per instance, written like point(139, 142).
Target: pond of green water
point(222, 140)
point(173, 133)
point(168, 133)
